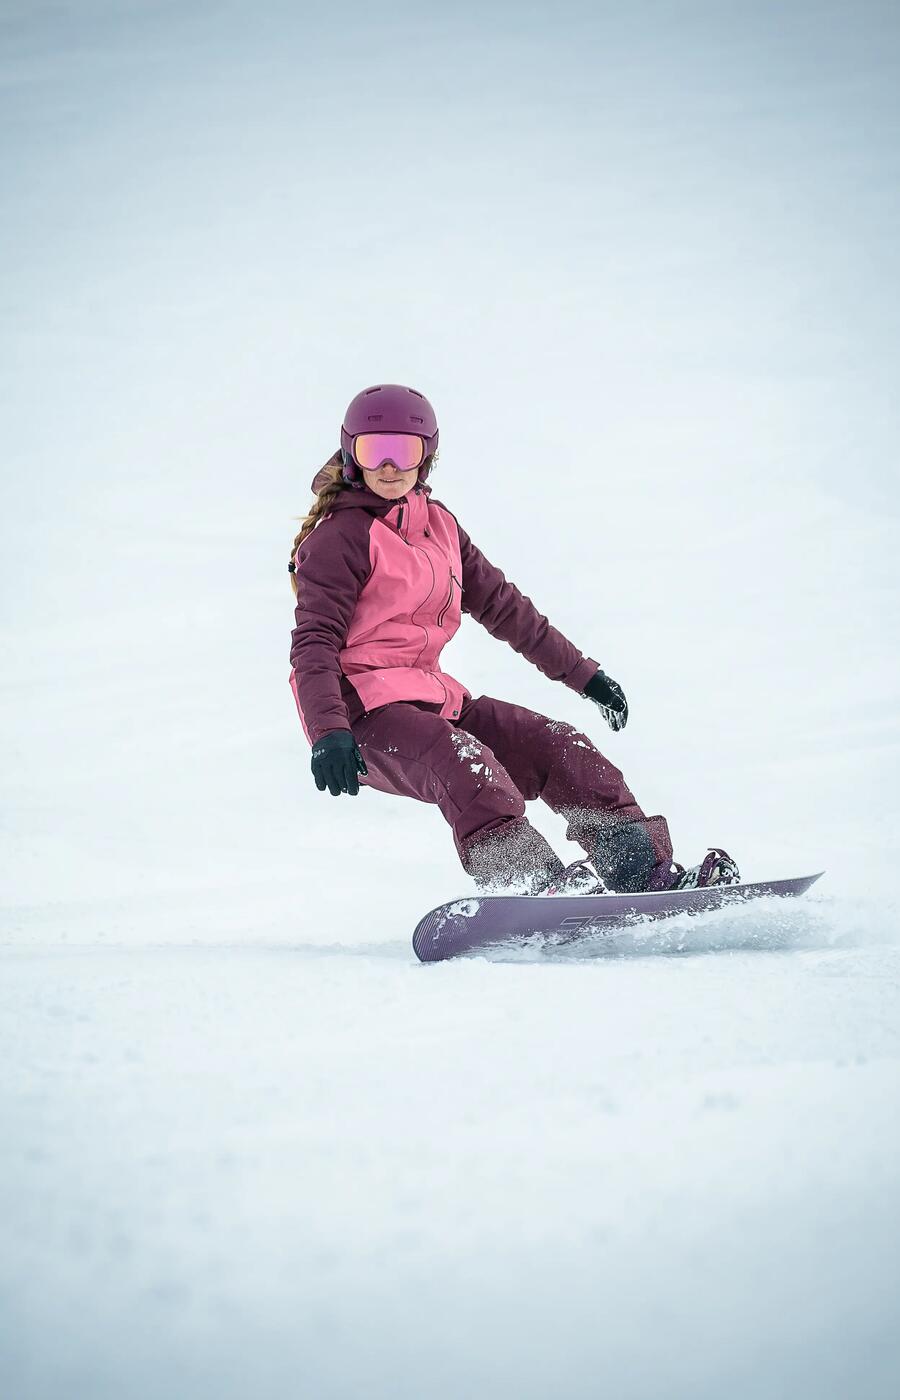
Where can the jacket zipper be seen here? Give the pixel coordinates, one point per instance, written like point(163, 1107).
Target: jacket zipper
point(453, 579)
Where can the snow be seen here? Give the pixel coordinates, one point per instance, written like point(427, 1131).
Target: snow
point(328, 1171)
point(249, 1144)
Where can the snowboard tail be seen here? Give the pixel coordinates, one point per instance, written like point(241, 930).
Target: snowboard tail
point(481, 921)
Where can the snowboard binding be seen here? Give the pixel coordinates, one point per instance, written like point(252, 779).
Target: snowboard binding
point(716, 868)
point(578, 878)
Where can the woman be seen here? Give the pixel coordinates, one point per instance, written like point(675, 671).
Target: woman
point(382, 573)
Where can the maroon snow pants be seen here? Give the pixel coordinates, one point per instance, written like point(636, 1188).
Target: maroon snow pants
point(483, 768)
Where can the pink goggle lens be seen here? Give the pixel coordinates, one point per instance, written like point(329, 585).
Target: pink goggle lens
point(372, 450)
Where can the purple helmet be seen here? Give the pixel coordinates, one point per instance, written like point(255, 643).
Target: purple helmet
point(387, 408)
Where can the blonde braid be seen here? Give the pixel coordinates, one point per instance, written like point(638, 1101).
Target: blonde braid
point(334, 484)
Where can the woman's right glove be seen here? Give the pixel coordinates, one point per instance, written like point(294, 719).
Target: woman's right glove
point(336, 763)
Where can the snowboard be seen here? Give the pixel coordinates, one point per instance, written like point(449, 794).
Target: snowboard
point(482, 921)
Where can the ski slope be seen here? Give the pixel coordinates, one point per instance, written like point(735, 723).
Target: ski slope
point(642, 266)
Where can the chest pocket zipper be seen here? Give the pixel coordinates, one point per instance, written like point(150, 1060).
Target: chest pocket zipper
point(453, 579)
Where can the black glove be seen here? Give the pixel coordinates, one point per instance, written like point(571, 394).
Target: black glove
point(336, 762)
point(609, 697)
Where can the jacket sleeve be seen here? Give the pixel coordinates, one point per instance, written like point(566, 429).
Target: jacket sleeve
point(489, 597)
point(331, 566)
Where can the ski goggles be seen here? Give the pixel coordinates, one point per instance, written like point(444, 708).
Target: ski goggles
point(372, 450)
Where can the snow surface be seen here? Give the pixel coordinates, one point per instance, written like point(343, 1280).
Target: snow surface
point(644, 260)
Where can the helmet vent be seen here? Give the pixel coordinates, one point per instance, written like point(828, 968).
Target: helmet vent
point(374, 417)
point(416, 418)
point(376, 389)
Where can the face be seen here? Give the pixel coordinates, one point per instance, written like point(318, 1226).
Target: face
point(390, 483)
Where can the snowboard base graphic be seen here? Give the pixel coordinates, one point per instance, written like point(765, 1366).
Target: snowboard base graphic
point(482, 921)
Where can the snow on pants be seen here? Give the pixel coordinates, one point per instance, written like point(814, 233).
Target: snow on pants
point(481, 770)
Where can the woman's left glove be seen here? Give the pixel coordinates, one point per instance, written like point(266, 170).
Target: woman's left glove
point(609, 697)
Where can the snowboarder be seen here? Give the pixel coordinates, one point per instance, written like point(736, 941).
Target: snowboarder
point(382, 573)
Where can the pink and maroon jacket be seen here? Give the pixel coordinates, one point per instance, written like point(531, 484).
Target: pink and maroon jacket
point(381, 586)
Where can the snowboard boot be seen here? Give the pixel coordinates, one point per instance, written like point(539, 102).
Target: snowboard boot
point(716, 868)
point(578, 878)
point(625, 858)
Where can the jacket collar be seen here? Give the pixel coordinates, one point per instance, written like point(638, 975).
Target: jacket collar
point(368, 500)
